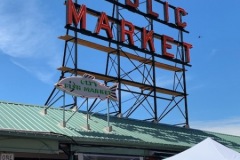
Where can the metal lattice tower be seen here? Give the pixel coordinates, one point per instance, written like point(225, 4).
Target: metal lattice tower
point(142, 92)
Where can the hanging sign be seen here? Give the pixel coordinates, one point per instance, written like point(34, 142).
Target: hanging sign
point(87, 86)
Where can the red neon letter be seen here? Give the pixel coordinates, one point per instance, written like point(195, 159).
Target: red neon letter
point(131, 4)
point(179, 12)
point(75, 17)
point(166, 12)
point(129, 32)
point(187, 47)
point(149, 9)
point(166, 46)
point(104, 24)
point(147, 38)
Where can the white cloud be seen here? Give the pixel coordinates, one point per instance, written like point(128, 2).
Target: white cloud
point(28, 37)
point(21, 66)
point(45, 76)
point(19, 30)
point(227, 126)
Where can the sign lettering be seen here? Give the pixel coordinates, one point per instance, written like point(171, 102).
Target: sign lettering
point(78, 16)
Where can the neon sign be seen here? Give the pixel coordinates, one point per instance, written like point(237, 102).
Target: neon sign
point(77, 16)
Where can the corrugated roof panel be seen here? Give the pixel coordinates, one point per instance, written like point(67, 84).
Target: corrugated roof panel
point(11, 120)
point(22, 117)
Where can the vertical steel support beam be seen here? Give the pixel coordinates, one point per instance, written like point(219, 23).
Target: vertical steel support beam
point(76, 58)
point(184, 82)
point(154, 82)
point(119, 65)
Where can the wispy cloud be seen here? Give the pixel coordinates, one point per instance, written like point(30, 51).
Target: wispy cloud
point(165, 81)
point(213, 52)
point(226, 126)
point(194, 84)
point(20, 65)
point(45, 76)
point(25, 34)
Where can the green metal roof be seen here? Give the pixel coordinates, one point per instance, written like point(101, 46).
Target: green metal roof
point(21, 119)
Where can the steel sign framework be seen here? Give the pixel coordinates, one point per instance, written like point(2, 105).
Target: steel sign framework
point(131, 51)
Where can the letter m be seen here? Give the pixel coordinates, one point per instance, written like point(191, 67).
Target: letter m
point(75, 15)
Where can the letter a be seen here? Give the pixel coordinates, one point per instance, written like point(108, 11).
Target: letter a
point(104, 24)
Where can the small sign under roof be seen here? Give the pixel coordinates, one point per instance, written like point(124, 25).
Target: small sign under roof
point(7, 156)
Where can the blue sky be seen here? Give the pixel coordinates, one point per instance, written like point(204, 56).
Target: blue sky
point(30, 52)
